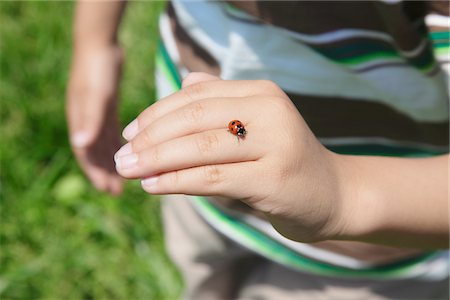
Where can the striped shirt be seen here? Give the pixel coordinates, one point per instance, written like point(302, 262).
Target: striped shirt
point(369, 78)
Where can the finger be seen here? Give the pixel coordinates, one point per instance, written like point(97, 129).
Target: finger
point(115, 184)
point(206, 148)
point(197, 77)
point(103, 180)
point(195, 92)
point(85, 122)
point(102, 177)
point(94, 173)
point(195, 117)
point(226, 180)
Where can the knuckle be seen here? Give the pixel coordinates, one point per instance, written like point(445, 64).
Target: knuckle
point(193, 112)
point(149, 114)
point(279, 105)
point(142, 141)
point(207, 143)
point(147, 136)
point(174, 179)
point(270, 86)
point(194, 91)
point(212, 175)
point(156, 155)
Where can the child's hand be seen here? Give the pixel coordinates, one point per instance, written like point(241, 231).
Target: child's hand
point(92, 114)
point(181, 145)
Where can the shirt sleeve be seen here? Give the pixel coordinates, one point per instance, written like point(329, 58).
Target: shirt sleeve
point(438, 22)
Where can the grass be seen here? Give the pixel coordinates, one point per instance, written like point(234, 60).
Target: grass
point(60, 239)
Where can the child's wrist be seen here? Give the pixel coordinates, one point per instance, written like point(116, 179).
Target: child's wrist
point(87, 46)
point(358, 204)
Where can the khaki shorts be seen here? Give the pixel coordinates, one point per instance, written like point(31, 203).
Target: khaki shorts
point(214, 267)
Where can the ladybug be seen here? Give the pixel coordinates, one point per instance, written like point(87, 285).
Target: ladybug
point(237, 128)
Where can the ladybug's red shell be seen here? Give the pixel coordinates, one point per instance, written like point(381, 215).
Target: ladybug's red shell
point(237, 128)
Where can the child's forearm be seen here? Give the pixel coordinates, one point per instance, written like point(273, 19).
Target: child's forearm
point(396, 201)
point(92, 91)
point(96, 23)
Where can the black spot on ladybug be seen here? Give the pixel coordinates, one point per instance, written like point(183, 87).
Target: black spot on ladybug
point(233, 123)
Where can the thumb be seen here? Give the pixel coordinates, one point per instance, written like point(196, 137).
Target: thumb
point(196, 77)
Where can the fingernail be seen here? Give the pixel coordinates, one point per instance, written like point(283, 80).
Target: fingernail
point(124, 150)
point(79, 139)
point(127, 161)
point(131, 130)
point(149, 182)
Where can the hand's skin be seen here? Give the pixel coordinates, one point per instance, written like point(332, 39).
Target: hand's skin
point(92, 92)
point(181, 145)
point(184, 140)
point(92, 115)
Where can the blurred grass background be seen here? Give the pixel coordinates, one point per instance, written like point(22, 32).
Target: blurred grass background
point(60, 239)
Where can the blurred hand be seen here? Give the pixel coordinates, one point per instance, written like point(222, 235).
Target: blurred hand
point(92, 113)
point(181, 145)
